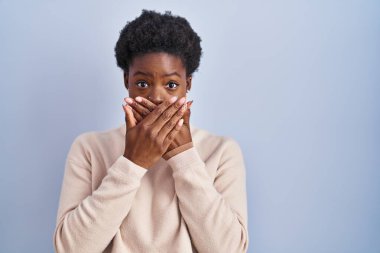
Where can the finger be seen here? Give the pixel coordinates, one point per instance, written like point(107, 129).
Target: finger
point(137, 107)
point(190, 103)
point(129, 119)
point(186, 115)
point(136, 115)
point(166, 117)
point(170, 124)
point(146, 103)
point(160, 109)
point(172, 134)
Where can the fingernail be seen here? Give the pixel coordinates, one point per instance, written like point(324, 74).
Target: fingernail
point(129, 100)
point(180, 123)
point(138, 99)
point(173, 99)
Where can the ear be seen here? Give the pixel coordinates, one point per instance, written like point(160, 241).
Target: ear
point(125, 77)
point(188, 83)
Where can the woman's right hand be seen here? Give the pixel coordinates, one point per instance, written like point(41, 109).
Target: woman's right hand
point(146, 142)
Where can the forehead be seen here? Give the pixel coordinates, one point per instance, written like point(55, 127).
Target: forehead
point(157, 63)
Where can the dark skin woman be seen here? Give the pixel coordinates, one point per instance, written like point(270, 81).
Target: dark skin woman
point(153, 184)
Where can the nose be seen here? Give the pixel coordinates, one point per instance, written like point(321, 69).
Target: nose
point(157, 95)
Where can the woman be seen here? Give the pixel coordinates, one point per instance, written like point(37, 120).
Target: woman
point(155, 184)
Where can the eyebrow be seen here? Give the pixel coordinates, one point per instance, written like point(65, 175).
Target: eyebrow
point(149, 74)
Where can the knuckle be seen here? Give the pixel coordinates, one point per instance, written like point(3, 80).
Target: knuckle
point(144, 113)
point(177, 106)
point(170, 136)
point(144, 127)
point(158, 141)
point(152, 135)
point(170, 124)
point(159, 111)
point(158, 144)
point(166, 115)
point(180, 113)
point(166, 103)
point(147, 105)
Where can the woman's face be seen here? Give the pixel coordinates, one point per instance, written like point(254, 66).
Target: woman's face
point(157, 77)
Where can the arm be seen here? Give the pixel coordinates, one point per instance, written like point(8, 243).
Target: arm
point(214, 211)
point(87, 221)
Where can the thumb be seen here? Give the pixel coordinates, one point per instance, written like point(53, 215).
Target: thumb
point(129, 118)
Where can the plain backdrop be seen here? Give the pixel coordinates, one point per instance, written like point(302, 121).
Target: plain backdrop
point(296, 83)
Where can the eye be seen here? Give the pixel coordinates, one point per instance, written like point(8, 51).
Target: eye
point(142, 84)
point(172, 85)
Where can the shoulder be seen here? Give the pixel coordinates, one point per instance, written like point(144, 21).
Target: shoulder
point(210, 143)
point(92, 138)
point(95, 142)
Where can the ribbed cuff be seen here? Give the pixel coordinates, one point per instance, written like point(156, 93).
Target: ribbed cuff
point(177, 150)
point(126, 167)
point(185, 159)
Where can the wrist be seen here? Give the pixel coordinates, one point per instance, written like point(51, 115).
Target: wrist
point(136, 161)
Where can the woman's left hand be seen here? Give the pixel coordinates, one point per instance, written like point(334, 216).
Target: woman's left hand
point(141, 107)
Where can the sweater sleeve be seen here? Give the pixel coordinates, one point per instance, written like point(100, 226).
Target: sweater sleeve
point(87, 221)
point(215, 211)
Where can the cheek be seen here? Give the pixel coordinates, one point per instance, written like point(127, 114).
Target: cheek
point(133, 92)
point(181, 91)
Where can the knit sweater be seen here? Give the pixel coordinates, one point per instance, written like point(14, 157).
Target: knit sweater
point(193, 202)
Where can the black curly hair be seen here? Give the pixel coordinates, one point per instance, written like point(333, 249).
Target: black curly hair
point(156, 32)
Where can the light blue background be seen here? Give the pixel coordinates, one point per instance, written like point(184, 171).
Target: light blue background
point(296, 83)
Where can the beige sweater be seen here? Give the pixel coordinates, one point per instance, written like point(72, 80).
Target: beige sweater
point(193, 202)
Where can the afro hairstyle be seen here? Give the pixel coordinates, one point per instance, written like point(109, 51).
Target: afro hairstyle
point(153, 32)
